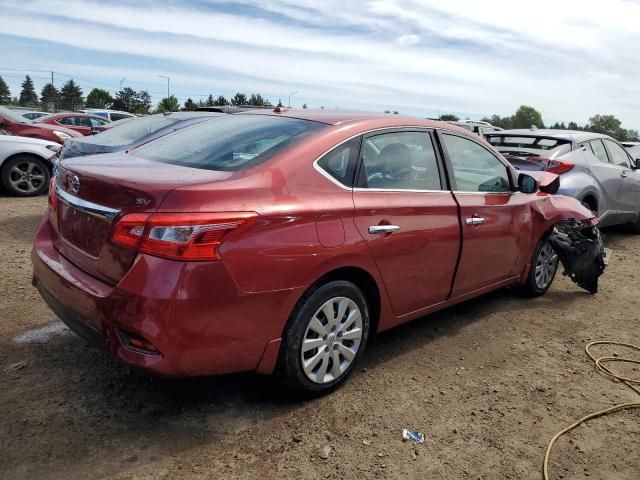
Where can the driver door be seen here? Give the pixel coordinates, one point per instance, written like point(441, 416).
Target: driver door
point(495, 219)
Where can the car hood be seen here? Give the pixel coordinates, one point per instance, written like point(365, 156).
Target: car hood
point(13, 139)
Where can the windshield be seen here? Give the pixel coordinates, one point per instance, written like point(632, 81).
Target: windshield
point(13, 116)
point(229, 143)
point(533, 146)
point(130, 132)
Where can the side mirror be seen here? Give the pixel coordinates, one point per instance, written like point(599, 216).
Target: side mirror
point(527, 184)
point(636, 164)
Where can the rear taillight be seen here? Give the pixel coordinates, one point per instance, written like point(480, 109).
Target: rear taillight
point(559, 166)
point(180, 236)
point(53, 198)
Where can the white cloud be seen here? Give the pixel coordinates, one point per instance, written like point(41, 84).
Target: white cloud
point(408, 40)
point(569, 59)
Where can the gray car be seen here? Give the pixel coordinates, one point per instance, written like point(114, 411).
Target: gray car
point(593, 168)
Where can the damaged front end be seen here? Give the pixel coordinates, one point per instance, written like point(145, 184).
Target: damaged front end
point(580, 249)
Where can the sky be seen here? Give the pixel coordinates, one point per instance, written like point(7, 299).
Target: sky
point(569, 59)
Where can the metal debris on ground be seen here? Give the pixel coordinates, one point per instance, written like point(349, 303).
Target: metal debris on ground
point(417, 437)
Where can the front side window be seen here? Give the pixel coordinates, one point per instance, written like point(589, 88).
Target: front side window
point(617, 154)
point(67, 121)
point(599, 151)
point(82, 121)
point(475, 169)
point(228, 143)
point(96, 122)
point(341, 162)
point(399, 161)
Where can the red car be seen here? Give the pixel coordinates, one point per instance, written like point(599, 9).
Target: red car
point(283, 240)
point(16, 124)
point(83, 123)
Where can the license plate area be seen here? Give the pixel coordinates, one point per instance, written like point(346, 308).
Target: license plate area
point(83, 230)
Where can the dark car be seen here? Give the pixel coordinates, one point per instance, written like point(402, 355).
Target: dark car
point(134, 133)
point(284, 240)
point(15, 124)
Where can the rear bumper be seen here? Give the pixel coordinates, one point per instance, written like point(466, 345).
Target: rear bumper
point(193, 313)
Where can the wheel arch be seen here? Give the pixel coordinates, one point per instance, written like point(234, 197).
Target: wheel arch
point(46, 161)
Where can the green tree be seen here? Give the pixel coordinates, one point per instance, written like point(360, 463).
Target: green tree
point(449, 117)
point(28, 95)
point(498, 121)
point(70, 96)
point(5, 93)
point(210, 101)
point(99, 98)
point(239, 99)
point(169, 104)
point(190, 105)
point(574, 126)
point(526, 117)
point(49, 96)
point(257, 100)
point(132, 101)
point(220, 101)
point(607, 125)
point(279, 103)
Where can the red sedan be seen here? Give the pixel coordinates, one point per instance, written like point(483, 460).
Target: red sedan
point(283, 240)
point(83, 123)
point(15, 124)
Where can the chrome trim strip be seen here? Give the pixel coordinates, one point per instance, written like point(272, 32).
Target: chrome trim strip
point(100, 211)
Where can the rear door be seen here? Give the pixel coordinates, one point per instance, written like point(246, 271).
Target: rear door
point(609, 178)
point(408, 217)
point(629, 193)
point(496, 220)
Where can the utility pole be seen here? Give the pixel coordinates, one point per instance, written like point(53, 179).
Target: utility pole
point(52, 78)
point(291, 95)
point(168, 80)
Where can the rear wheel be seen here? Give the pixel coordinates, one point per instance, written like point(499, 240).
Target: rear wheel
point(544, 265)
point(25, 176)
point(325, 337)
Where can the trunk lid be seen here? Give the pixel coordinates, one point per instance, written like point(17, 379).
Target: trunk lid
point(95, 192)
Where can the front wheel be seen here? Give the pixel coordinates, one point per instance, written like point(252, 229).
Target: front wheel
point(324, 339)
point(544, 265)
point(25, 176)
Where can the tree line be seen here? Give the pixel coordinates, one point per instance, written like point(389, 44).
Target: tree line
point(526, 117)
point(71, 97)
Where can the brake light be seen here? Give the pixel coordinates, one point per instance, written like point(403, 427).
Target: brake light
point(179, 236)
point(559, 166)
point(53, 198)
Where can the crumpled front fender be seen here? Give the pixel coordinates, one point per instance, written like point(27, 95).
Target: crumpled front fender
point(555, 208)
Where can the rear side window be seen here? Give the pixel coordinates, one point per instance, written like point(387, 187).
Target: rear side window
point(132, 131)
point(399, 161)
point(118, 116)
point(532, 145)
point(475, 168)
point(618, 154)
point(229, 143)
point(341, 162)
point(599, 151)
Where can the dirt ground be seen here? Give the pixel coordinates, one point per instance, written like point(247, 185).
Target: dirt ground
point(488, 382)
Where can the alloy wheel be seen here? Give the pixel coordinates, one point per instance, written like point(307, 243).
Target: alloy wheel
point(546, 266)
point(27, 176)
point(332, 340)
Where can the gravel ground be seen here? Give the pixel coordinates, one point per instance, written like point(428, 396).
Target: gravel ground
point(488, 382)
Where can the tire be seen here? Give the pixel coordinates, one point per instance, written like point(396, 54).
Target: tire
point(544, 266)
point(25, 176)
point(633, 227)
point(326, 344)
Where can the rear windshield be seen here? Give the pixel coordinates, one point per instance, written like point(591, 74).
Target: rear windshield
point(229, 143)
point(531, 145)
point(132, 131)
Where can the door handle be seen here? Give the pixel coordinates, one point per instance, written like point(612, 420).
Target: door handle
point(382, 229)
point(474, 220)
point(623, 174)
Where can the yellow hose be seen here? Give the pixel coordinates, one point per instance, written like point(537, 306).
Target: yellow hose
point(599, 362)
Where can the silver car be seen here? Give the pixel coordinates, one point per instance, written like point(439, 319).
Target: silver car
point(593, 168)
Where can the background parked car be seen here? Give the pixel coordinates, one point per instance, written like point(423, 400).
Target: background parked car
point(83, 123)
point(26, 164)
point(629, 144)
point(133, 133)
point(635, 152)
point(111, 115)
point(15, 124)
point(593, 168)
point(477, 127)
point(34, 115)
